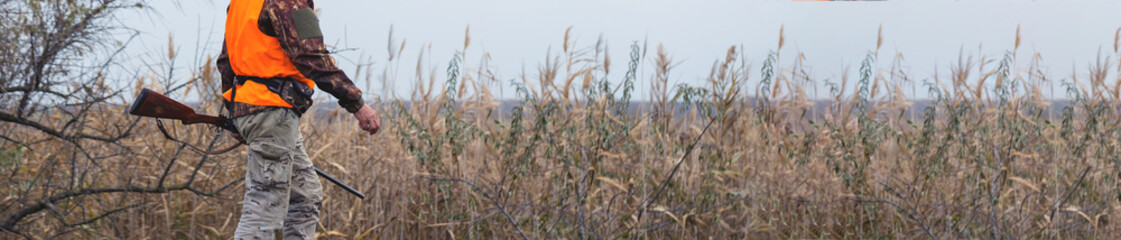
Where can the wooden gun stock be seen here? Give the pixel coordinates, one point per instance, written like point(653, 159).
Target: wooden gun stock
point(152, 104)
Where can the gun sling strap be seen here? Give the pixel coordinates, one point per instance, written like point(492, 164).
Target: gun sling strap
point(274, 85)
point(159, 124)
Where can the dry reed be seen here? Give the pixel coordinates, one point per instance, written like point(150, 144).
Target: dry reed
point(986, 157)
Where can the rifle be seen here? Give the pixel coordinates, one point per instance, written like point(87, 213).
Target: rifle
point(155, 105)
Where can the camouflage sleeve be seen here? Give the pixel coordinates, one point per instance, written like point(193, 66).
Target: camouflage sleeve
point(299, 37)
point(225, 69)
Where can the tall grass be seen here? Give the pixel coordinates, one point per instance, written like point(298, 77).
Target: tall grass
point(988, 156)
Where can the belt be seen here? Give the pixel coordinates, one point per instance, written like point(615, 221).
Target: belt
point(292, 91)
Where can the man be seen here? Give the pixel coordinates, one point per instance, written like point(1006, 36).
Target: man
point(272, 58)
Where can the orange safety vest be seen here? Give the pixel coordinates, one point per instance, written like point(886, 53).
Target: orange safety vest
point(252, 53)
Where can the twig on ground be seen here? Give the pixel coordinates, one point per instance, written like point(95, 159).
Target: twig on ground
point(671, 173)
point(1069, 193)
point(910, 214)
point(492, 200)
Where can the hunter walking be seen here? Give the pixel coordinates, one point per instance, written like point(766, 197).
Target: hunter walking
point(272, 59)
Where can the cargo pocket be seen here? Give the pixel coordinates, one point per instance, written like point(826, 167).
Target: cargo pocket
point(268, 149)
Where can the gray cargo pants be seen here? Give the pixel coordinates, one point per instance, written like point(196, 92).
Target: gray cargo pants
point(282, 193)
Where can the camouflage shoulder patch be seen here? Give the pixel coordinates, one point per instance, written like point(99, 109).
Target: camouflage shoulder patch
point(307, 24)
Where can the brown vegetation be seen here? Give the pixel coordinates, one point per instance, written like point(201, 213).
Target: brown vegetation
point(722, 160)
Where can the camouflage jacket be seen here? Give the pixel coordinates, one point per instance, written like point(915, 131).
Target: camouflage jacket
point(309, 55)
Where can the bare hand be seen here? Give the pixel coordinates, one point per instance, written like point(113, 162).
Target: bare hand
point(368, 119)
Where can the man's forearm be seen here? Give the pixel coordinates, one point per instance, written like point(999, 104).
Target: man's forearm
point(297, 29)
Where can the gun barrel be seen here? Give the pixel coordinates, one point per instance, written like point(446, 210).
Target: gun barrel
point(340, 184)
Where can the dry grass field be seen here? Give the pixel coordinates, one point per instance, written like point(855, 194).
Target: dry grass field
point(739, 156)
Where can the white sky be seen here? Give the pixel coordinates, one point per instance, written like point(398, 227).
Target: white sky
point(834, 35)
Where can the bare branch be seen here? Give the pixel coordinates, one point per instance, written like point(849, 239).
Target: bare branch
point(104, 215)
point(492, 200)
point(7, 117)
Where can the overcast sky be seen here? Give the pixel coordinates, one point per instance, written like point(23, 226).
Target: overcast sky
point(833, 35)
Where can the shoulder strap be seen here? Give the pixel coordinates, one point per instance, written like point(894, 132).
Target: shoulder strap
point(233, 95)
